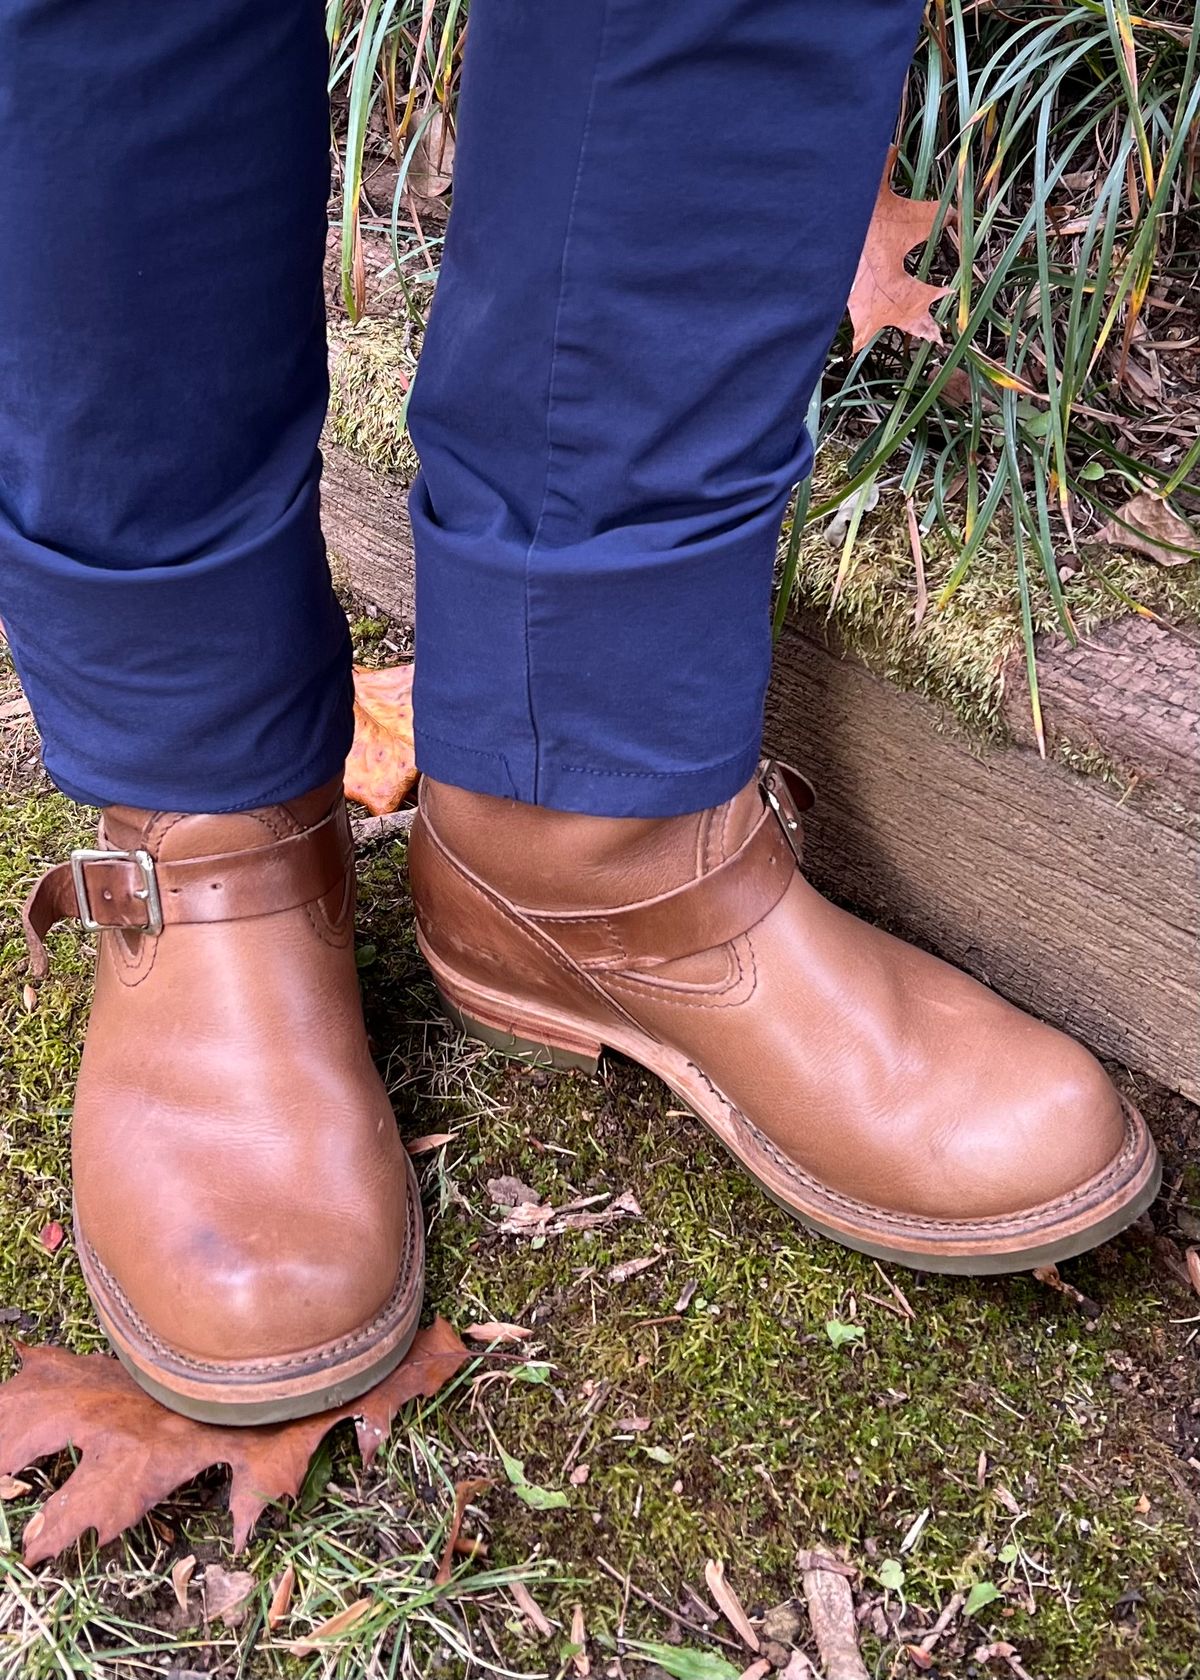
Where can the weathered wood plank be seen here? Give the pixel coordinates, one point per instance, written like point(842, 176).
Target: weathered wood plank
point(1130, 690)
point(1076, 905)
point(1072, 902)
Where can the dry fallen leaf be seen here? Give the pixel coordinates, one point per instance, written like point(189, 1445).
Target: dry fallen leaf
point(431, 169)
point(885, 294)
point(1158, 531)
point(50, 1236)
point(12, 1488)
point(580, 1658)
point(1192, 1258)
point(181, 1573)
point(579, 1475)
point(728, 1603)
point(757, 1670)
point(464, 1492)
point(497, 1332)
point(530, 1609)
point(327, 1631)
point(225, 1594)
point(133, 1452)
point(382, 764)
point(526, 1216)
point(281, 1598)
point(427, 1144)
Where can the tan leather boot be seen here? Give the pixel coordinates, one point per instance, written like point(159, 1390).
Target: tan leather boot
point(245, 1215)
point(888, 1100)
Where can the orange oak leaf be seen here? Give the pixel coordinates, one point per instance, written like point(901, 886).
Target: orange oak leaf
point(382, 765)
point(134, 1452)
point(885, 294)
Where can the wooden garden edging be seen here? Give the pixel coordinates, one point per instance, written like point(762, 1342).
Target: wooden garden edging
point(1076, 897)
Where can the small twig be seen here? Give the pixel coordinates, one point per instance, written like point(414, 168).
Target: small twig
point(370, 831)
point(624, 1582)
point(831, 1615)
point(939, 1627)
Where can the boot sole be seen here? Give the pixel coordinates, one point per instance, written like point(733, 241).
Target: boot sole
point(1098, 1211)
point(262, 1391)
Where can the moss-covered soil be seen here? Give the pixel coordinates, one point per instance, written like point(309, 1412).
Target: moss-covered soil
point(707, 1405)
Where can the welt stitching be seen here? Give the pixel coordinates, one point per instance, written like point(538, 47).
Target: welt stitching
point(1001, 1222)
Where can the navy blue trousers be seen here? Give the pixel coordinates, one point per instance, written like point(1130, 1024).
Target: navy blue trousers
point(658, 213)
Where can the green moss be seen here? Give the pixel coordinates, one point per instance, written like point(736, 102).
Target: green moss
point(957, 654)
point(371, 369)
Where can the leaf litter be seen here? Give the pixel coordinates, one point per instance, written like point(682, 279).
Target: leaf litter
point(526, 1215)
point(133, 1453)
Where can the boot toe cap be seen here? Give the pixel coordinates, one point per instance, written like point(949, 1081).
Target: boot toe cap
point(262, 1296)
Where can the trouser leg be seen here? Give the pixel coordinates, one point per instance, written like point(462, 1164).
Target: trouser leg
point(658, 213)
point(163, 175)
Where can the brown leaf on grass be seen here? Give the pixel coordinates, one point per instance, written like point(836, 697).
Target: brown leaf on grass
point(133, 1452)
point(497, 1332)
point(12, 1488)
point(530, 1609)
point(182, 1571)
point(464, 1492)
point(728, 1603)
point(529, 1217)
point(382, 765)
point(427, 1144)
point(226, 1592)
point(885, 294)
point(281, 1598)
point(757, 1670)
point(579, 1657)
point(50, 1236)
point(1192, 1260)
point(431, 170)
point(326, 1632)
point(1157, 531)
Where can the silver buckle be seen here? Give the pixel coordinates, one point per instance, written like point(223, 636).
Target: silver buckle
point(148, 890)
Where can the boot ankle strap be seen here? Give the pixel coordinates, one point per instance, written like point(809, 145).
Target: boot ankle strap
point(131, 890)
point(708, 911)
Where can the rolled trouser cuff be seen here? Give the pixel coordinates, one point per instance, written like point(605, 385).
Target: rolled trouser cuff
point(213, 684)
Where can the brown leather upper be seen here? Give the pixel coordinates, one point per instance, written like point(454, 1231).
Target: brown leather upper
point(240, 1185)
point(865, 1064)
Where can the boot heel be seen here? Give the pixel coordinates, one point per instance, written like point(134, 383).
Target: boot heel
point(577, 1055)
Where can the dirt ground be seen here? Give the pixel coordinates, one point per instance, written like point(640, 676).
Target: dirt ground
point(1013, 1471)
